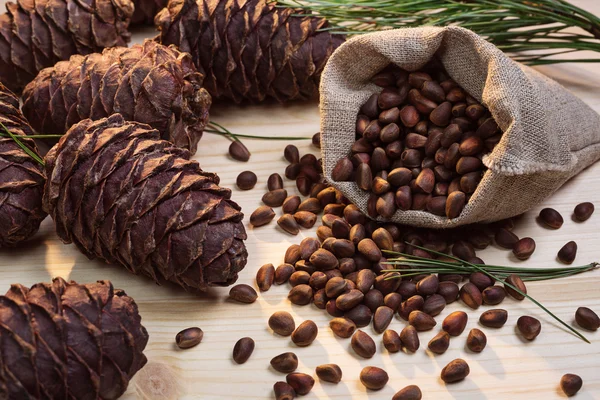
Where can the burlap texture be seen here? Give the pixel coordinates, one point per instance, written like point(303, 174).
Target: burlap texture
point(549, 134)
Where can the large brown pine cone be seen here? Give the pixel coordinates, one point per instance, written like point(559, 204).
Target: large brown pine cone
point(69, 341)
point(123, 195)
point(149, 83)
point(146, 10)
point(21, 177)
point(36, 34)
point(249, 49)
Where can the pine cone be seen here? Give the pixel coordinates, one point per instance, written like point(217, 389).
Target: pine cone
point(38, 33)
point(249, 49)
point(69, 341)
point(146, 10)
point(21, 177)
point(123, 195)
point(149, 83)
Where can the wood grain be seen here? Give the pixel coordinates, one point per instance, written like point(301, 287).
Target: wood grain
point(507, 368)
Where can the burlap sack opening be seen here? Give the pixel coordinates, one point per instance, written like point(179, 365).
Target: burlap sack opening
point(549, 134)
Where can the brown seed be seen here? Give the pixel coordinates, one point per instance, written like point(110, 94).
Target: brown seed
point(301, 295)
point(421, 103)
point(379, 160)
point(463, 250)
point(283, 391)
point(471, 146)
point(390, 97)
point(189, 337)
point(246, 180)
point(389, 116)
point(571, 384)
point(335, 287)
point(583, 211)
point(388, 282)
point(320, 299)
point(409, 116)
point(238, 151)
point(265, 277)
point(411, 158)
point(421, 321)
point(516, 281)
point(487, 129)
point(455, 371)
point(374, 378)
point(301, 383)
point(292, 171)
point(382, 318)
point(288, 223)
point(291, 154)
point(243, 350)
point(426, 180)
point(349, 300)
point(262, 216)
point(363, 344)
point(494, 318)
point(529, 327)
point(386, 206)
point(316, 140)
point(524, 248)
point(399, 176)
point(329, 373)
point(434, 305)
point(455, 323)
point(318, 280)
point(342, 327)
point(437, 205)
point(275, 182)
point(470, 295)
point(393, 301)
point(305, 219)
point(404, 198)
point(468, 182)
point(365, 280)
point(299, 278)
point(311, 204)
point(243, 293)
point(369, 249)
point(410, 338)
point(439, 343)
point(568, 253)
point(391, 341)
point(323, 260)
point(428, 285)
point(551, 218)
point(323, 232)
point(415, 141)
point(285, 362)
point(370, 108)
point(449, 291)
point(390, 132)
point(587, 319)
point(476, 341)
point(360, 315)
point(505, 238)
point(305, 333)
point(455, 204)
point(282, 323)
point(411, 392)
point(481, 280)
point(415, 302)
point(493, 295)
point(303, 183)
point(290, 204)
point(452, 134)
point(468, 164)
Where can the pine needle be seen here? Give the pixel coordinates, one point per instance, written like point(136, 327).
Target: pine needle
point(515, 26)
point(218, 129)
point(459, 266)
point(26, 149)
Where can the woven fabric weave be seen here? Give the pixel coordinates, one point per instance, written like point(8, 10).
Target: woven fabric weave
point(550, 135)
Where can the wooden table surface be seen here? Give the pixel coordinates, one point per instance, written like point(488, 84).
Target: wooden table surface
point(507, 368)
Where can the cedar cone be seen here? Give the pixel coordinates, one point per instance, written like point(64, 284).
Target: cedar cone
point(250, 49)
point(38, 33)
point(146, 10)
point(69, 341)
point(123, 195)
point(21, 177)
point(149, 83)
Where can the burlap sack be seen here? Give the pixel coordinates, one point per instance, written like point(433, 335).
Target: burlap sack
point(549, 134)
